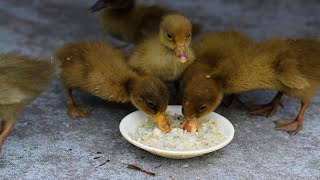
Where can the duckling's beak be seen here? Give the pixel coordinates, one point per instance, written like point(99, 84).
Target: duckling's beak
point(181, 53)
point(100, 4)
point(191, 125)
point(162, 122)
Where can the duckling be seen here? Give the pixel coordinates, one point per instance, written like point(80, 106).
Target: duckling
point(289, 66)
point(202, 92)
point(22, 79)
point(127, 21)
point(100, 69)
point(167, 54)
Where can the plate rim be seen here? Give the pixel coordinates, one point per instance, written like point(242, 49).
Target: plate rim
point(176, 152)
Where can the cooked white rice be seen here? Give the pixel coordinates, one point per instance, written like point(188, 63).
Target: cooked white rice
point(208, 135)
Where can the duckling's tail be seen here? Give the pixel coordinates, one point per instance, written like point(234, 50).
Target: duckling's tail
point(100, 4)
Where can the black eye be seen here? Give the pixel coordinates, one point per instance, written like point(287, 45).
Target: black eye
point(189, 35)
point(169, 36)
point(202, 108)
point(151, 104)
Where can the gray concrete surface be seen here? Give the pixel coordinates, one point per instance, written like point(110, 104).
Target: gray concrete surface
point(47, 145)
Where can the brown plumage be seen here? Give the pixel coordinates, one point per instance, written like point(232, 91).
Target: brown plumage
point(167, 54)
point(21, 80)
point(100, 69)
point(289, 66)
point(215, 52)
point(128, 21)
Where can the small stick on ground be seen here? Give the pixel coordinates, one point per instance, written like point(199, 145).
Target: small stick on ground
point(134, 167)
point(171, 178)
point(104, 162)
point(159, 166)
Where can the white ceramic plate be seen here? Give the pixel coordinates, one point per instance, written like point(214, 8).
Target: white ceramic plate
point(131, 122)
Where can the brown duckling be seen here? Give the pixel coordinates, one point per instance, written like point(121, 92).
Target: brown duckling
point(289, 66)
point(22, 79)
point(167, 54)
point(100, 69)
point(127, 21)
point(214, 50)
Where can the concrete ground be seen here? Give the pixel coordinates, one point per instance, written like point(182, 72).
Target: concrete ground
point(46, 144)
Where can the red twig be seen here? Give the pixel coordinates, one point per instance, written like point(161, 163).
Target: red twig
point(134, 167)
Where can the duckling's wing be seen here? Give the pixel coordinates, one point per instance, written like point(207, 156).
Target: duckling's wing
point(294, 81)
point(289, 75)
point(308, 57)
point(22, 85)
point(300, 63)
point(10, 94)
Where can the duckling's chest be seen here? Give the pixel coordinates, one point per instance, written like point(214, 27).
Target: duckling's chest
point(169, 68)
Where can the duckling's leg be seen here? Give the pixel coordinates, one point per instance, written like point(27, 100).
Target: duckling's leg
point(6, 128)
point(73, 110)
point(269, 109)
point(292, 127)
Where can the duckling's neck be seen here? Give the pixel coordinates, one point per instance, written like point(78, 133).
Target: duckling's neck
point(113, 89)
point(130, 84)
point(253, 75)
point(174, 65)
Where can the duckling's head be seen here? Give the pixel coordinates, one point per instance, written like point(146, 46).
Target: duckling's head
point(202, 95)
point(112, 5)
point(176, 33)
point(151, 96)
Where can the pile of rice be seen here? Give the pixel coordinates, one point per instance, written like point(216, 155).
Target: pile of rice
point(208, 135)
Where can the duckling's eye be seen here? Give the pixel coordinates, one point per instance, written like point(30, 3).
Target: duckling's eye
point(151, 104)
point(169, 36)
point(189, 35)
point(202, 108)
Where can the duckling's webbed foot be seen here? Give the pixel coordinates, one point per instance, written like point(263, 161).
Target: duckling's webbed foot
point(292, 127)
point(269, 109)
point(6, 128)
point(73, 110)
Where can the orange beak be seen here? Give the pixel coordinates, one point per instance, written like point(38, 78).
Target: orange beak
point(163, 122)
point(191, 125)
point(181, 53)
